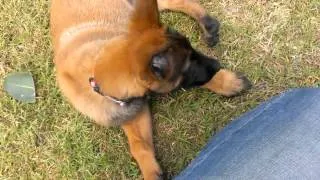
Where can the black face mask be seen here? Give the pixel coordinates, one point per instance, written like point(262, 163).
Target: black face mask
point(201, 70)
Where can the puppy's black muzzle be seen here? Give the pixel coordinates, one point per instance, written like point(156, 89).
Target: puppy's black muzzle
point(201, 70)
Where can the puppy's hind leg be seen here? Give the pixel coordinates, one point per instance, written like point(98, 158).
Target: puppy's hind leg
point(209, 25)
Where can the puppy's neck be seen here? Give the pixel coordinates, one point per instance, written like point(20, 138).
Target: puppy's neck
point(121, 86)
point(120, 82)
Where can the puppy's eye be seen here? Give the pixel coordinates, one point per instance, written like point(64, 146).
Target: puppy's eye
point(159, 65)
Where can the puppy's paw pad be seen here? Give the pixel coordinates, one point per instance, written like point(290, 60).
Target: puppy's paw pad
point(210, 28)
point(245, 82)
point(235, 84)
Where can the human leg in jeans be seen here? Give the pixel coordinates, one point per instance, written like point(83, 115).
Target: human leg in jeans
point(280, 139)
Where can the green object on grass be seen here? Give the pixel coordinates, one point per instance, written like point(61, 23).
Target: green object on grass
point(20, 85)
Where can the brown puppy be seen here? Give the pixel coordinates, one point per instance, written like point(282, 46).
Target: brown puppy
point(123, 50)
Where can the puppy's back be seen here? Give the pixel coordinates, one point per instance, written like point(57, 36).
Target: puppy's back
point(69, 17)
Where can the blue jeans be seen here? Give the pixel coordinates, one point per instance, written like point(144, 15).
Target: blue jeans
point(280, 139)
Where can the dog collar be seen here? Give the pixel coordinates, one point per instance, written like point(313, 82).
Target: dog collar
point(120, 102)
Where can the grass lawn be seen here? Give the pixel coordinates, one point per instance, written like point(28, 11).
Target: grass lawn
point(276, 43)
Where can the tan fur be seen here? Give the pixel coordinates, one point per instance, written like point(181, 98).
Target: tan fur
point(226, 83)
point(139, 133)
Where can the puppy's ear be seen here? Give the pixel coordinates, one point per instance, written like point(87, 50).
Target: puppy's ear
point(145, 16)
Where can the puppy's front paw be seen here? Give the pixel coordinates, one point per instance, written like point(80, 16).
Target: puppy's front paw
point(157, 175)
point(152, 171)
point(210, 27)
point(228, 83)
